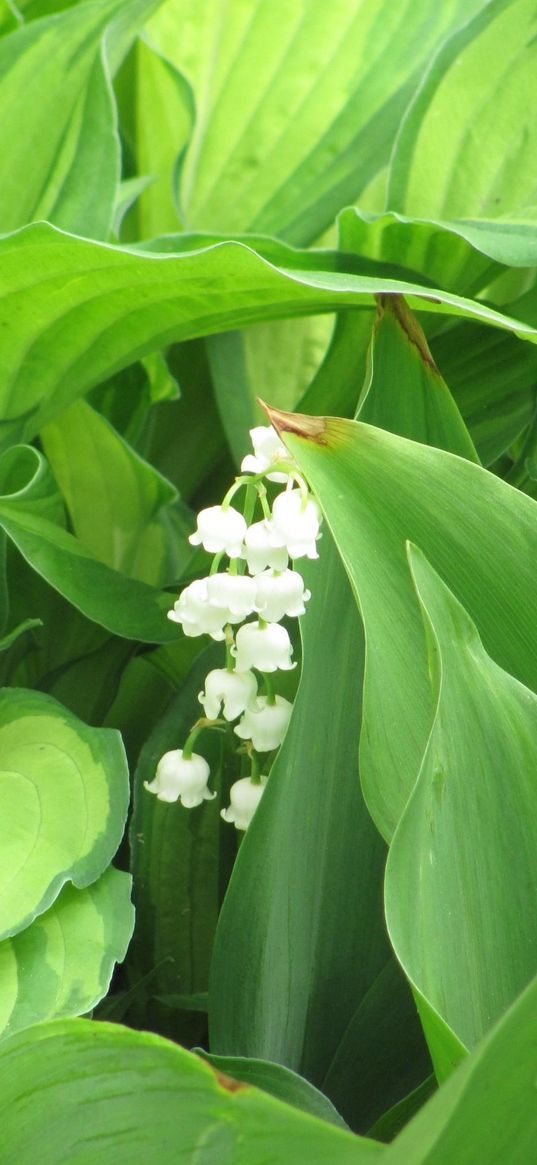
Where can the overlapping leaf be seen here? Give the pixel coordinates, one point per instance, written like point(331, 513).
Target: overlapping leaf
point(99, 308)
point(462, 867)
point(377, 490)
point(64, 791)
point(62, 963)
point(138, 1097)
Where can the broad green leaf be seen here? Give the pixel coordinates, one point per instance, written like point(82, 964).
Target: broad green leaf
point(467, 144)
point(63, 962)
point(462, 865)
point(65, 165)
point(487, 1111)
point(64, 793)
point(122, 605)
point(279, 1082)
point(101, 307)
point(325, 85)
point(301, 935)
point(377, 490)
point(129, 1097)
point(114, 498)
point(175, 859)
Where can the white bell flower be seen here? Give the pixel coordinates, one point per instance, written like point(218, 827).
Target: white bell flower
point(220, 530)
point(233, 592)
point(266, 648)
point(265, 724)
point(260, 552)
point(295, 523)
point(244, 797)
point(196, 615)
point(268, 450)
point(280, 594)
point(234, 690)
point(180, 778)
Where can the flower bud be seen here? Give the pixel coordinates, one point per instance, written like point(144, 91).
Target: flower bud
point(295, 524)
point(233, 592)
point(259, 551)
point(265, 724)
point(220, 530)
point(279, 594)
point(268, 450)
point(196, 615)
point(234, 690)
point(244, 797)
point(265, 648)
point(180, 778)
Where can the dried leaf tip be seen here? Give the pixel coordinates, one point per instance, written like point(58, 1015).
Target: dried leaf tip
point(310, 428)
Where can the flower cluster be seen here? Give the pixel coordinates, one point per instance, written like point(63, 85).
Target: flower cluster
point(258, 585)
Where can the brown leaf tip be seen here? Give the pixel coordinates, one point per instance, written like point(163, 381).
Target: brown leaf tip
point(228, 1082)
point(310, 428)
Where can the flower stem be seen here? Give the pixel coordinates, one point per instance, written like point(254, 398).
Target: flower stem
point(269, 689)
point(198, 728)
point(255, 770)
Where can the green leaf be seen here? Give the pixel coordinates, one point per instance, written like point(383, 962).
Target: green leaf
point(279, 1082)
point(481, 88)
point(131, 1097)
point(64, 793)
point(377, 490)
point(65, 166)
point(462, 865)
point(327, 85)
point(63, 962)
point(113, 496)
point(101, 307)
point(175, 858)
point(422, 407)
point(302, 914)
point(123, 605)
point(487, 1111)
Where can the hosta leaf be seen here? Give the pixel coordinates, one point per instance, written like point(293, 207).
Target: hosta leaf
point(481, 88)
point(63, 962)
point(377, 490)
point(100, 308)
point(487, 1111)
point(64, 793)
point(129, 1096)
point(325, 88)
point(113, 496)
point(462, 867)
point(122, 605)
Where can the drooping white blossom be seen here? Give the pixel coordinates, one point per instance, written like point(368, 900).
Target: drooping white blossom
point(295, 523)
point(196, 615)
point(244, 797)
point(265, 724)
point(268, 450)
point(260, 552)
point(233, 592)
point(220, 530)
point(265, 648)
point(230, 690)
point(179, 778)
point(280, 593)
